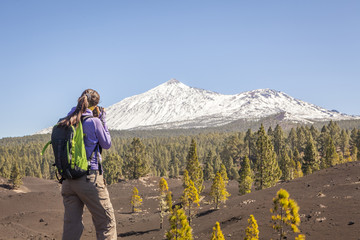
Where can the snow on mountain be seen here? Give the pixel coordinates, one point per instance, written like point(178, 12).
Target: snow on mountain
point(175, 105)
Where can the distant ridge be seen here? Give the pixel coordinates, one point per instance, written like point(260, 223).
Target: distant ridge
point(174, 105)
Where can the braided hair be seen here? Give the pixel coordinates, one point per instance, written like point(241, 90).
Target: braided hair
point(89, 98)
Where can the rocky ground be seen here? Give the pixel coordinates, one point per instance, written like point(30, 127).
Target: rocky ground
point(329, 203)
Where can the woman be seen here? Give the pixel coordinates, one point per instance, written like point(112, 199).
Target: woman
point(89, 189)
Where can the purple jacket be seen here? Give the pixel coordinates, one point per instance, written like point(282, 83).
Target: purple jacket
point(95, 131)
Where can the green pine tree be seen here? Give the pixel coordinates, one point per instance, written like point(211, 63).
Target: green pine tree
point(179, 226)
point(15, 177)
point(344, 141)
point(136, 164)
point(252, 231)
point(286, 214)
point(163, 206)
point(279, 139)
point(193, 167)
point(208, 169)
point(250, 144)
point(218, 190)
point(217, 233)
point(268, 172)
point(311, 158)
point(112, 165)
point(298, 172)
point(190, 200)
point(246, 177)
point(186, 179)
point(169, 202)
point(287, 165)
point(230, 155)
point(223, 173)
point(331, 156)
point(292, 140)
point(136, 200)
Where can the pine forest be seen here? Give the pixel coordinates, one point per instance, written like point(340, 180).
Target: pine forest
point(260, 157)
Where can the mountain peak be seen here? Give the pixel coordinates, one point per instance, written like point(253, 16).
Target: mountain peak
point(173, 81)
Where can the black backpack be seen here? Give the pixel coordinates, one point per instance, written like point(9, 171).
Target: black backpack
point(69, 151)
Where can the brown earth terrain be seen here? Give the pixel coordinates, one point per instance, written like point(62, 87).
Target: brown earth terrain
point(329, 203)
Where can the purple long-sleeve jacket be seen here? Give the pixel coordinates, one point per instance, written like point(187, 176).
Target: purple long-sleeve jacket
point(95, 131)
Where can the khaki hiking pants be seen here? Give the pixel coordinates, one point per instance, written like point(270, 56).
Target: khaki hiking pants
point(91, 191)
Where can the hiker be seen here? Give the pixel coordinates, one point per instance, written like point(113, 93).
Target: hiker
point(90, 189)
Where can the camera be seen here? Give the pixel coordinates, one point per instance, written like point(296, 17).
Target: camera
point(97, 111)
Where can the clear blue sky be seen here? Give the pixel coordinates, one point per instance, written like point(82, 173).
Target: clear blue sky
point(50, 51)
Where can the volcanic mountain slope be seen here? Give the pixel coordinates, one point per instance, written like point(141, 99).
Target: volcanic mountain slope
point(175, 105)
point(328, 199)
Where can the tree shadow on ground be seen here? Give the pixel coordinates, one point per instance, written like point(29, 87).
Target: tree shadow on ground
point(206, 212)
point(132, 233)
point(6, 186)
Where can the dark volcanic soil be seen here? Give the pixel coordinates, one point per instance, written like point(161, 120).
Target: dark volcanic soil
point(329, 203)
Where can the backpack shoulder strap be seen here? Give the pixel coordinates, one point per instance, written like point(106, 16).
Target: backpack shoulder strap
point(83, 118)
point(45, 147)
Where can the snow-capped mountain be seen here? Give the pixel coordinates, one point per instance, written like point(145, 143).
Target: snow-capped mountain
point(175, 105)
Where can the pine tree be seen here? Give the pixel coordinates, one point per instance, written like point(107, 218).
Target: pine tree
point(296, 156)
point(286, 214)
point(136, 164)
point(267, 169)
point(168, 200)
point(287, 165)
point(186, 179)
point(311, 159)
point(331, 156)
point(224, 174)
point(252, 231)
point(314, 132)
point(270, 133)
point(112, 165)
point(208, 169)
point(163, 188)
point(344, 141)
point(301, 139)
point(217, 233)
point(353, 142)
point(190, 200)
point(250, 144)
point(245, 179)
point(334, 131)
point(292, 139)
point(279, 139)
point(216, 163)
point(15, 177)
point(298, 172)
point(354, 154)
point(174, 165)
point(322, 141)
point(136, 201)
point(300, 237)
point(193, 167)
point(230, 154)
point(179, 226)
point(218, 190)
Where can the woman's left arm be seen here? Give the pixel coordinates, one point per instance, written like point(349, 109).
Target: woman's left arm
point(102, 131)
